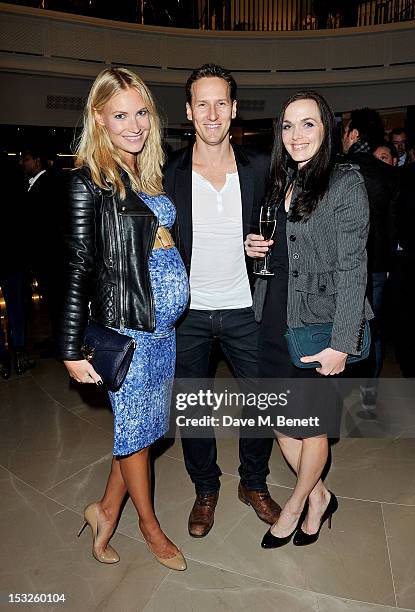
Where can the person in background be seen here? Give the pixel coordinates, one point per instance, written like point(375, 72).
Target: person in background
point(122, 270)
point(402, 291)
point(14, 264)
point(362, 133)
point(387, 153)
point(398, 138)
point(349, 12)
point(43, 214)
point(218, 13)
point(321, 9)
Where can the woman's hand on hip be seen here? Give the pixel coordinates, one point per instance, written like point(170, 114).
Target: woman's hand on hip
point(256, 246)
point(82, 371)
point(332, 361)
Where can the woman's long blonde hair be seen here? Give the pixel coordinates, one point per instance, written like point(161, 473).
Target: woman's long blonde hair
point(95, 149)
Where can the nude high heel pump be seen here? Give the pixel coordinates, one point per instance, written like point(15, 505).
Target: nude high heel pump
point(177, 562)
point(108, 555)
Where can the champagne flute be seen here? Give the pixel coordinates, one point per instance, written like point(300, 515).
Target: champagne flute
point(267, 225)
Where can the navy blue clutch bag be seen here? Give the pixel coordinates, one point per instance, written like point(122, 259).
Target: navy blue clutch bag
point(312, 339)
point(109, 352)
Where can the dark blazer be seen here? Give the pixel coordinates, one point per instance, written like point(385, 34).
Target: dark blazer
point(253, 170)
point(382, 186)
point(43, 206)
point(14, 253)
point(406, 210)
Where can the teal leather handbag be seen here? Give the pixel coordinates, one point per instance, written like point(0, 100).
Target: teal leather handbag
point(312, 339)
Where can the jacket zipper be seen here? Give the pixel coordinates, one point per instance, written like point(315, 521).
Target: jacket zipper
point(120, 260)
point(152, 238)
point(109, 250)
point(153, 315)
point(122, 301)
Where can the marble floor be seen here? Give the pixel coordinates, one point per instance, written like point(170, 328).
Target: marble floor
point(55, 451)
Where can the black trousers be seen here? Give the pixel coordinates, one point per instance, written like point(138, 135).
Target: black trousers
point(237, 333)
point(12, 286)
point(402, 303)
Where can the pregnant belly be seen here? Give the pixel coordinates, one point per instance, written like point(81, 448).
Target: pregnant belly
point(170, 286)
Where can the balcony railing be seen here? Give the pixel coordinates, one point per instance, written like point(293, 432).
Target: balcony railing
point(242, 15)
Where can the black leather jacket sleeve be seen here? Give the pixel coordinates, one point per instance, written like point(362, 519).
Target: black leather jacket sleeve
point(105, 276)
point(79, 249)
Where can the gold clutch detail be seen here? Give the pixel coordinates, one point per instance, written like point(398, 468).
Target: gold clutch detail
point(163, 239)
point(88, 352)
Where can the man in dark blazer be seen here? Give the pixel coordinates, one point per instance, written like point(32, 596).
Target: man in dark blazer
point(42, 211)
point(215, 185)
point(398, 139)
point(402, 291)
point(13, 268)
point(362, 133)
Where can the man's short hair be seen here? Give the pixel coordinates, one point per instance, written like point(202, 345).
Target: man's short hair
point(369, 124)
point(390, 146)
point(398, 131)
point(38, 152)
point(211, 70)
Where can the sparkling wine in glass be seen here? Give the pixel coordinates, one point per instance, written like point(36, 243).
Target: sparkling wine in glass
point(267, 225)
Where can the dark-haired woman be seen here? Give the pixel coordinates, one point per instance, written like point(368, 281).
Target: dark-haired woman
point(319, 265)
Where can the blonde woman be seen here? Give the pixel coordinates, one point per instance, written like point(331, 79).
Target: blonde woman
point(122, 271)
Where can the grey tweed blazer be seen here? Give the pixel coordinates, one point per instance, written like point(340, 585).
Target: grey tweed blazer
point(328, 263)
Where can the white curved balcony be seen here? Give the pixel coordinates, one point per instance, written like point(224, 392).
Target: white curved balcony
point(354, 66)
point(49, 42)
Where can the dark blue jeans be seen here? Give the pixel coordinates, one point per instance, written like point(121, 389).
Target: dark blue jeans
point(378, 288)
point(402, 294)
point(373, 366)
point(237, 333)
point(12, 288)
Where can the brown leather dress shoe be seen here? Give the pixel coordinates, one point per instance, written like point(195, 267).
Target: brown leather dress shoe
point(266, 508)
point(202, 515)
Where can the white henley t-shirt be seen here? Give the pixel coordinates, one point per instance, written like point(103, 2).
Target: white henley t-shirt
point(218, 276)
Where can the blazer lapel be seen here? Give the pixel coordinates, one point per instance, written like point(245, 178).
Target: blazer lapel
point(246, 183)
point(183, 196)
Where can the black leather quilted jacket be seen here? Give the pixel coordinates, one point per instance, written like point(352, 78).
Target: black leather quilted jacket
point(107, 243)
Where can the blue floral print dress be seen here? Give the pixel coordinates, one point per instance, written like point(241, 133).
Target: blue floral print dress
point(141, 407)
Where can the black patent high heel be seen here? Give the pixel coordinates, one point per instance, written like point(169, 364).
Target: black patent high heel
point(271, 541)
point(303, 539)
